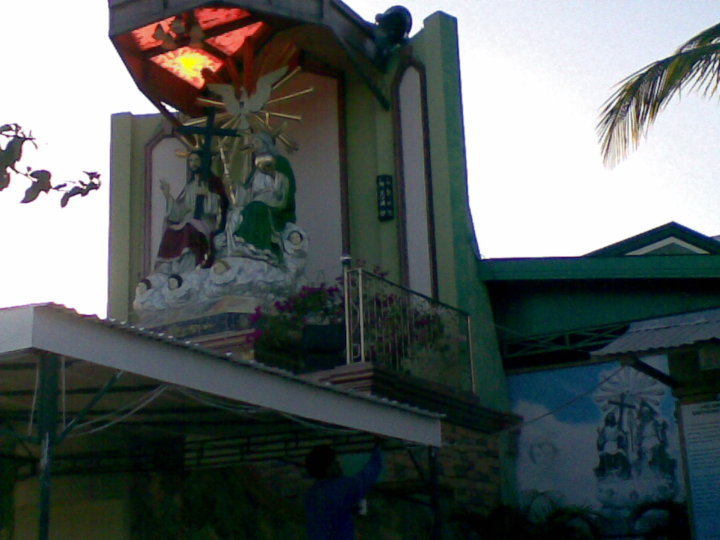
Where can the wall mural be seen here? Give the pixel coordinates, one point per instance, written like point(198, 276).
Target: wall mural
point(603, 436)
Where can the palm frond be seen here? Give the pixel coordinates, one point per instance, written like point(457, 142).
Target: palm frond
point(708, 36)
point(626, 117)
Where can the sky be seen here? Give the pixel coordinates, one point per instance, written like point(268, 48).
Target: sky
point(534, 73)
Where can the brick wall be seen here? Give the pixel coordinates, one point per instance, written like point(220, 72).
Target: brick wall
point(470, 466)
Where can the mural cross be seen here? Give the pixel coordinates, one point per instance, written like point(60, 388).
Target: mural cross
point(622, 406)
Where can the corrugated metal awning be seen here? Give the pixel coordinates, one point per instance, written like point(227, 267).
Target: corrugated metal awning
point(655, 335)
point(97, 348)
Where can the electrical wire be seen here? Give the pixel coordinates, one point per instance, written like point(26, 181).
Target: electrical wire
point(567, 403)
point(216, 403)
point(141, 403)
point(316, 426)
point(244, 410)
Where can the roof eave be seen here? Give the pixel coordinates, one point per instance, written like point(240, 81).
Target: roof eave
point(348, 27)
point(57, 330)
point(588, 268)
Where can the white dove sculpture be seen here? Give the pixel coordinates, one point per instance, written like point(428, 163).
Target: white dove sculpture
point(247, 105)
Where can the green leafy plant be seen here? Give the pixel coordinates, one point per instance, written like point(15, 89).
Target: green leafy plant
point(278, 330)
point(567, 522)
point(636, 103)
point(401, 330)
point(398, 326)
point(543, 516)
point(8, 476)
point(211, 504)
point(665, 519)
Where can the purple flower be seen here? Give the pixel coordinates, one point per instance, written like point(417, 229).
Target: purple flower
point(255, 316)
point(253, 337)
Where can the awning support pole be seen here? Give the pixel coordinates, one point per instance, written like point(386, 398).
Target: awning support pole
point(433, 454)
point(47, 434)
point(650, 371)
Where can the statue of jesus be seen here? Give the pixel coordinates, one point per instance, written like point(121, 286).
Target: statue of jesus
point(192, 220)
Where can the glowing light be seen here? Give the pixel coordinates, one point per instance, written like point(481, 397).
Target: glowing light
point(211, 17)
point(144, 37)
point(188, 64)
point(207, 18)
point(231, 42)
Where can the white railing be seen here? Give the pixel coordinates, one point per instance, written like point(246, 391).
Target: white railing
point(391, 326)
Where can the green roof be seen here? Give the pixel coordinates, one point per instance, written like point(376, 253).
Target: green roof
point(669, 231)
point(606, 267)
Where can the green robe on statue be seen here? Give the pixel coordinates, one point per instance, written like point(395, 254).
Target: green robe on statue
point(269, 206)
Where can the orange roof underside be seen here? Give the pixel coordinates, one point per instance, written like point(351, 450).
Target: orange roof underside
point(224, 31)
point(208, 19)
point(231, 42)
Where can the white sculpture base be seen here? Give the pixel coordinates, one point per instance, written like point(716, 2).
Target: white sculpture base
point(233, 284)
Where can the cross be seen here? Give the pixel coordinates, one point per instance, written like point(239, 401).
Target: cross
point(622, 406)
point(207, 131)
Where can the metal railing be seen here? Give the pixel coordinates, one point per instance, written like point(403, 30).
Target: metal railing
point(391, 326)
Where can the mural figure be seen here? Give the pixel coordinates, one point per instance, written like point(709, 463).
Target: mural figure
point(266, 204)
point(652, 442)
point(192, 220)
point(612, 445)
point(614, 449)
point(645, 473)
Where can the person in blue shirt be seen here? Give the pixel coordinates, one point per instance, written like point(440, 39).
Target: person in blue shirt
point(330, 502)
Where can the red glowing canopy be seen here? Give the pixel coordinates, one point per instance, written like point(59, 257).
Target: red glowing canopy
point(174, 58)
point(225, 28)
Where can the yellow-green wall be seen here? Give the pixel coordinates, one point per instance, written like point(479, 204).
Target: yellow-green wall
point(94, 507)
